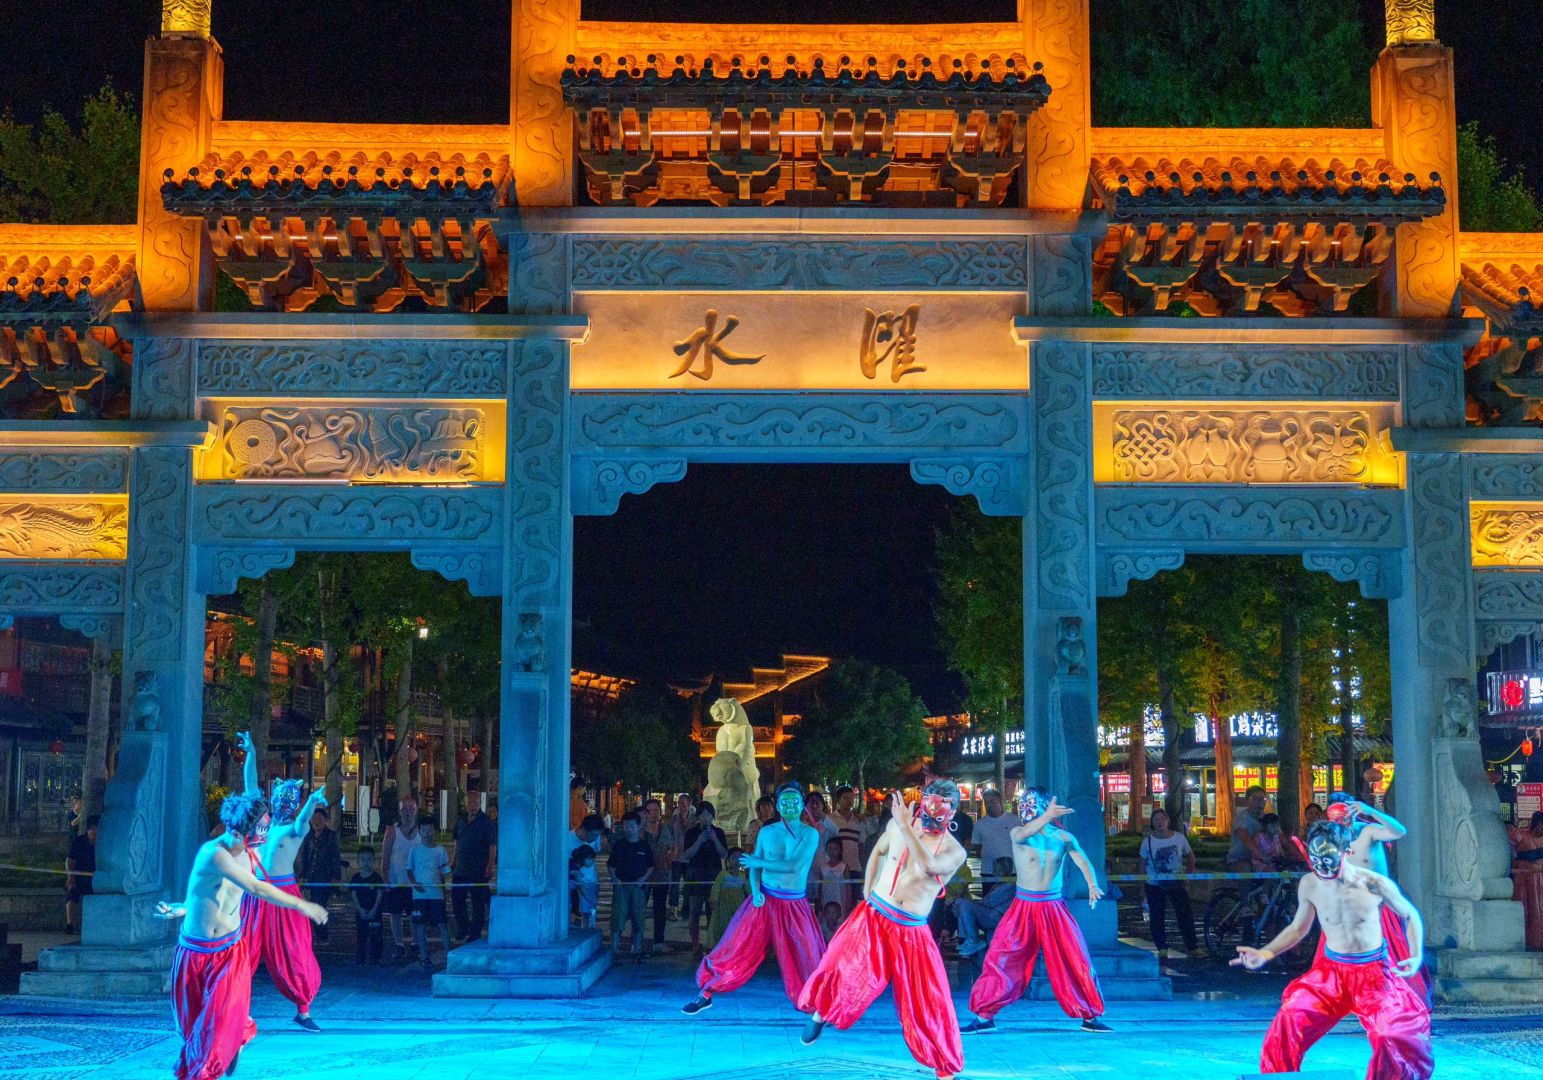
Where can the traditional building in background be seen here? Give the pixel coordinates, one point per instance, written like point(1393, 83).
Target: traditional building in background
point(701, 243)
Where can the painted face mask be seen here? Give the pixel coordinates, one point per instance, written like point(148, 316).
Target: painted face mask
point(286, 801)
point(937, 813)
point(790, 804)
point(1325, 859)
point(1031, 803)
point(260, 833)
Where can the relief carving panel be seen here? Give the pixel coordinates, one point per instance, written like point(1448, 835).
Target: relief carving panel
point(41, 527)
point(71, 471)
point(372, 444)
point(385, 367)
point(1253, 446)
point(1238, 518)
point(1345, 374)
point(1506, 535)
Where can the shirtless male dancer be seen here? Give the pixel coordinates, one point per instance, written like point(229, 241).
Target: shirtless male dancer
point(776, 915)
point(212, 969)
point(1354, 974)
point(1371, 831)
point(886, 938)
point(1038, 920)
point(281, 937)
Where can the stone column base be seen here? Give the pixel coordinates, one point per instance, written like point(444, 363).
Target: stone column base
point(1125, 973)
point(564, 968)
point(1482, 955)
point(101, 971)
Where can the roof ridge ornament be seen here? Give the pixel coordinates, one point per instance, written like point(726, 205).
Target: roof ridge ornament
point(191, 18)
point(1411, 22)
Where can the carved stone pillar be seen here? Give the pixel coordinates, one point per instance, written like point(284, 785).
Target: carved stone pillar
point(1056, 34)
point(1414, 104)
point(542, 155)
point(184, 95)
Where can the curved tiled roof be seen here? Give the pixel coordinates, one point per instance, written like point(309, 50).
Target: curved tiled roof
point(65, 271)
point(1247, 184)
point(1510, 291)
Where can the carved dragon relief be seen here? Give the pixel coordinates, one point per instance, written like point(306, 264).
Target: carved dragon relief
point(63, 529)
point(377, 444)
point(1507, 536)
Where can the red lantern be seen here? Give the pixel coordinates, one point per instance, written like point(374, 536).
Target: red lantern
point(1511, 693)
point(465, 756)
point(1527, 746)
point(56, 748)
point(412, 753)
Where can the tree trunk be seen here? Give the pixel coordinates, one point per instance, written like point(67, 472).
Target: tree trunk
point(452, 753)
point(333, 670)
point(261, 720)
point(488, 758)
point(1226, 796)
point(404, 720)
point(1288, 709)
point(97, 719)
point(1001, 756)
point(1138, 772)
point(1173, 767)
point(1347, 758)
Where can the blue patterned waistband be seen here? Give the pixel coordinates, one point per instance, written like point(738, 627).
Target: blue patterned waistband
point(1035, 897)
point(778, 894)
point(282, 879)
point(1371, 956)
point(209, 945)
point(893, 913)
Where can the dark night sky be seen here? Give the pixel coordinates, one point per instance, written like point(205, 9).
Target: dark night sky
point(735, 564)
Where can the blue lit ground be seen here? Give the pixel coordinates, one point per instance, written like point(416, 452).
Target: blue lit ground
point(382, 1025)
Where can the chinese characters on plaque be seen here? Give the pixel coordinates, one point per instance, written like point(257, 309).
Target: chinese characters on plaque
point(887, 337)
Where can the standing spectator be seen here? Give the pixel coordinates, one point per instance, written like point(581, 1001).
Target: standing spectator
point(849, 829)
point(833, 875)
point(81, 862)
point(1527, 878)
point(656, 832)
point(578, 808)
point(77, 816)
point(681, 821)
point(475, 838)
point(1164, 852)
point(831, 919)
point(704, 851)
point(1312, 813)
point(814, 814)
point(427, 868)
point(1271, 844)
point(1245, 830)
point(631, 864)
point(584, 884)
point(590, 834)
point(369, 901)
point(993, 833)
point(321, 864)
point(729, 893)
point(401, 838)
point(765, 811)
point(978, 917)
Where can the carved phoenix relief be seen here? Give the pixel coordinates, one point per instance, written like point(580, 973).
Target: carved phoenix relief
point(1507, 536)
point(57, 529)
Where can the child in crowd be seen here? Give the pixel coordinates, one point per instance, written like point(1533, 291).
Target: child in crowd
point(832, 869)
point(584, 880)
point(831, 917)
point(369, 898)
point(427, 868)
point(1272, 846)
point(730, 890)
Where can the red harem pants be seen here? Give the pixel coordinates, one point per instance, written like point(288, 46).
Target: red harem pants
point(1037, 922)
point(1389, 1008)
point(211, 989)
point(871, 950)
point(786, 924)
point(1394, 934)
point(282, 940)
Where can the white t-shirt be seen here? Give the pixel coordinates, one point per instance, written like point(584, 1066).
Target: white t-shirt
point(574, 843)
point(428, 865)
point(1164, 855)
point(994, 835)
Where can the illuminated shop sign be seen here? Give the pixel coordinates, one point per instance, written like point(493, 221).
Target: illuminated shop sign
point(1253, 725)
point(1515, 692)
point(983, 747)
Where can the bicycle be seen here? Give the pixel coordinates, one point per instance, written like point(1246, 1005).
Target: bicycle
point(1251, 918)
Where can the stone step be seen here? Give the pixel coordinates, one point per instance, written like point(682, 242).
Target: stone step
point(1461, 965)
point(66, 959)
point(1489, 991)
point(571, 983)
point(96, 984)
point(559, 959)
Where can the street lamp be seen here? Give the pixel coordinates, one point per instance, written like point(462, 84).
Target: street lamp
point(423, 633)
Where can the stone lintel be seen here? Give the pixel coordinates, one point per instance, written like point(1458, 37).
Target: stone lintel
point(281, 326)
point(198, 434)
point(1232, 332)
point(1497, 440)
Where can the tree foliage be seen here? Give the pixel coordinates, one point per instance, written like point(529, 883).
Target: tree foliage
point(64, 173)
point(865, 727)
point(644, 742)
point(1491, 196)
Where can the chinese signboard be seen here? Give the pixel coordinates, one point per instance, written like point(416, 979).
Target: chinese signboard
point(984, 747)
point(1117, 736)
point(1529, 800)
point(692, 342)
point(1255, 725)
point(1515, 692)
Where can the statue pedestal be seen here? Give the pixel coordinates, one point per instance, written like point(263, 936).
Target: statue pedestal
point(124, 952)
point(564, 968)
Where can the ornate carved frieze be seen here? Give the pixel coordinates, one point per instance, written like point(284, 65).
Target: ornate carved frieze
point(1508, 594)
point(480, 568)
point(1437, 505)
point(1411, 22)
point(1502, 476)
point(1349, 374)
point(376, 444)
point(1507, 535)
point(1254, 446)
point(998, 484)
point(1063, 427)
point(163, 379)
point(1433, 386)
point(536, 481)
point(1061, 267)
point(378, 517)
point(158, 547)
point(599, 483)
point(814, 421)
point(187, 17)
point(1117, 568)
point(220, 569)
point(67, 472)
point(1377, 572)
point(538, 273)
point(387, 368)
point(44, 587)
point(54, 527)
point(787, 262)
point(1243, 518)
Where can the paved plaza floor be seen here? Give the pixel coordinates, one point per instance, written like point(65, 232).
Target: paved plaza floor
point(381, 1024)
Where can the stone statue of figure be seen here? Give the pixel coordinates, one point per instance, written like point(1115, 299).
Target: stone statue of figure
point(733, 781)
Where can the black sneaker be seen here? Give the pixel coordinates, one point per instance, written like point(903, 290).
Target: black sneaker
point(812, 1030)
point(978, 1027)
point(307, 1023)
point(701, 1003)
point(1095, 1024)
